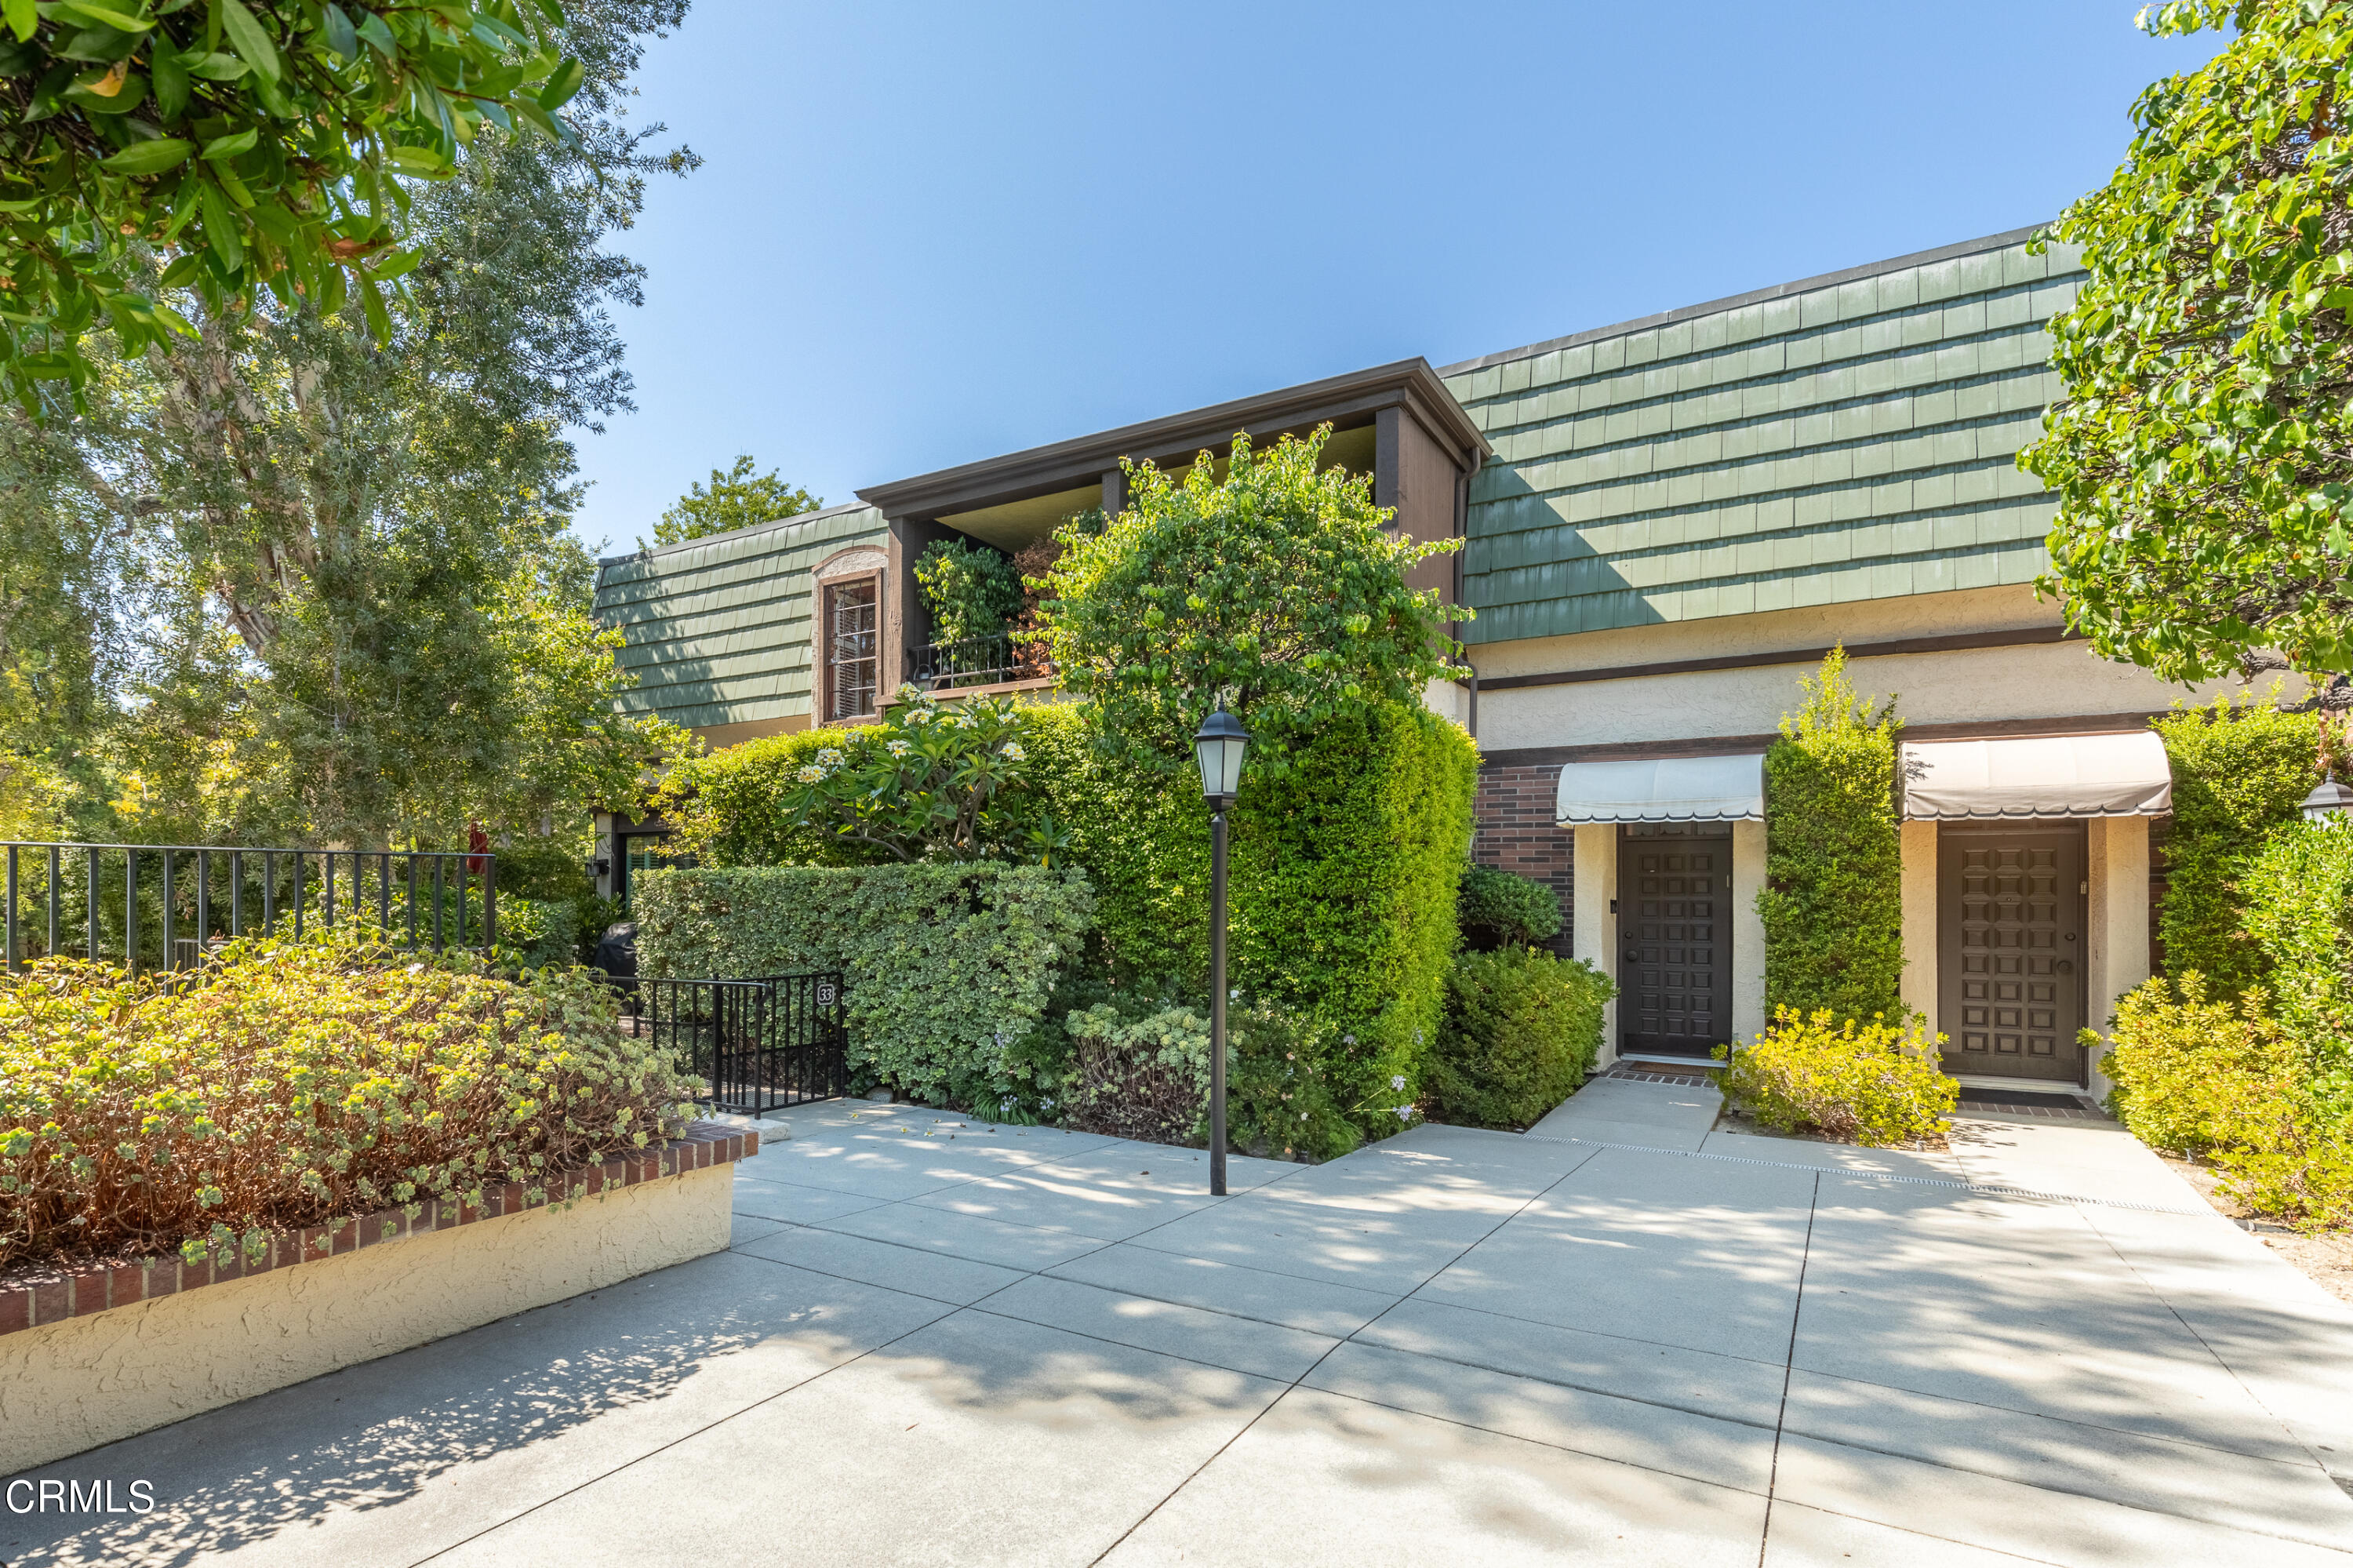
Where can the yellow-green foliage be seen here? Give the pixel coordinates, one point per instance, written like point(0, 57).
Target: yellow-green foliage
point(1343, 871)
point(294, 1084)
point(2202, 1075)
point(1877, 1083)
point(1833, 907)
point(2240, 771)
point(1522, 1031)
point(733, 807)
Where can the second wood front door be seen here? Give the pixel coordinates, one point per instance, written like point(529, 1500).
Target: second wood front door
point(2010, 950)
point(1675, 939)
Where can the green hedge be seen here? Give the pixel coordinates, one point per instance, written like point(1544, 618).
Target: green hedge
point(1498, 909)
point(728, 807)
point(2299, 895)
point(1342, 892)
point(536, 932)
point(945, 967)
point(1522, 1030)
point(1832, 902)
point(2240, 771)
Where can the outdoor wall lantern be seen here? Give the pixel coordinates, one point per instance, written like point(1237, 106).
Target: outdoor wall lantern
point(1218, 748)
point(2329, 803)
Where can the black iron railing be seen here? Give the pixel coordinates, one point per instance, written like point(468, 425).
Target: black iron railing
point(976, 661)
point(164, 905)
point(762, 1044)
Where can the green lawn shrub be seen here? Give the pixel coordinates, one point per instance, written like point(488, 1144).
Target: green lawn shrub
point(536, 932)
point(2223, 1079)
point(1278, 1100)
point(1522, 1030)
point(1497, 909)
point(1877, 1084)
point(947, 967)
point(1344, 871)
point(1144, 1079)
point(296, 1082)
point(2240, 771)
point(2299, 915)
point(1832, 902)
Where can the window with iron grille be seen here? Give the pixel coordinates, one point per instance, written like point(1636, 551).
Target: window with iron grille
point(852, 643)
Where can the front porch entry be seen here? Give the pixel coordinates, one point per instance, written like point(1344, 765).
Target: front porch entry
point(2009, 929)
point(1674, 928)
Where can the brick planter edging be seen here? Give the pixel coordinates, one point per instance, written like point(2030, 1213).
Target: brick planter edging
point(35, 1297)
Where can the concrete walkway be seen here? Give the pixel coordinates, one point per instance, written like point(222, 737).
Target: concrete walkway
point(937, 1342)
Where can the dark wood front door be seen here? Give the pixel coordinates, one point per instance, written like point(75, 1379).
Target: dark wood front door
point(2010, 950)
point(1674, 939)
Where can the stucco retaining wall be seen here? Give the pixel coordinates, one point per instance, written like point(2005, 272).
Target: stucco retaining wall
point(93, 1377)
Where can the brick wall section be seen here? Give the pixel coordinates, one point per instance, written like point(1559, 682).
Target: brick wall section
point(1515, 833)
point(30, 1298)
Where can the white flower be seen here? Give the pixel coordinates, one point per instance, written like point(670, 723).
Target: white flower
point(1347, 1040)
point(1404, 1113)
point(828, 758)
point(1398, 1082)
point(810, 774)
point(896, 748)
point(1236, 993)
point(1303, 1115)
point(1011, 751)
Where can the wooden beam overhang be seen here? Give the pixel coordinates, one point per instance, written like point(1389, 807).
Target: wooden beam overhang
point(1347, 402)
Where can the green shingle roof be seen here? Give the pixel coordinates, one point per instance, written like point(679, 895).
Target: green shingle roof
point(717, 631)
point(1845, 438)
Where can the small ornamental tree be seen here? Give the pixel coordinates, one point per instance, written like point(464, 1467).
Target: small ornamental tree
point(1832, 902)
point(1275, 586)
point(2204, 452)
point(236, 144)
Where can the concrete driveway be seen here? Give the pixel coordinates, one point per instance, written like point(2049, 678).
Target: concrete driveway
point(1631, 1339)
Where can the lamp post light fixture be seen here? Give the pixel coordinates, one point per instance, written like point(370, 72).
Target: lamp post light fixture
point(2329, 803)
point(1218, 747)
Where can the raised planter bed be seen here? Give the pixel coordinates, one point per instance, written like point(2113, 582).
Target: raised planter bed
point(96, 1354)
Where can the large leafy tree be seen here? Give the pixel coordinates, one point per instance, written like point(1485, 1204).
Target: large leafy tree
point(256, 144)
point(1273, 585)
point(736, 499)
point(2203, 452)
point(360, 617)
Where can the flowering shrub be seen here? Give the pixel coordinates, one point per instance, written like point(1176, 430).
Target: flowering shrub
point(929, 782)
point(1521, 1032)
point(297, 1083)
point(1877, 1083)
point(1279, 1101)
point(2207, 1077)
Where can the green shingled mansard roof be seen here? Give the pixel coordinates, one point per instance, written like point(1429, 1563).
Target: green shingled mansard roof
point(717, 630)
point(1844, 437)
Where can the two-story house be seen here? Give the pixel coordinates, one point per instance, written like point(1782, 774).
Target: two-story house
point(1667, 522)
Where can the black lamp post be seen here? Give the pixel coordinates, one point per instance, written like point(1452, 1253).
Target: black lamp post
point(1218, 748)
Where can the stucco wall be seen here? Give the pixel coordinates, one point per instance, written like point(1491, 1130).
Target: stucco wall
point(72, 1385)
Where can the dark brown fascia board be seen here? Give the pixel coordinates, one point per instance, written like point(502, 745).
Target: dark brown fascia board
point(1949, 643)
point(1345, 400)
point(1742, 745)
point(1754, 297)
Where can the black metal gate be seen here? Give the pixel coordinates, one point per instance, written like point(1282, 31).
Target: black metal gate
point(760, 1045)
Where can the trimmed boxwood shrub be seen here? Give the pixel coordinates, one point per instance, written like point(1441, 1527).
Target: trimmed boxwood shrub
point(1522, 1030)
point(1342, 892)
point(2240, 771)
point(291, 1084)
point(1833, 901)
point(1498, 909)
point(947, 967)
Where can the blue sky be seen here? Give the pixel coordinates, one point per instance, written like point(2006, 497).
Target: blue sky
point(926, 234)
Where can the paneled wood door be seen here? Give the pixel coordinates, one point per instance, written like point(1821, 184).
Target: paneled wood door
point(1674, 937)
point(2010, 950)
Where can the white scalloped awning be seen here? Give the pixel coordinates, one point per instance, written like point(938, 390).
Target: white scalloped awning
point(1668, 789)
point(2050, 776)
